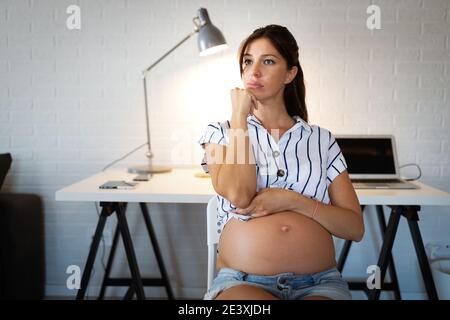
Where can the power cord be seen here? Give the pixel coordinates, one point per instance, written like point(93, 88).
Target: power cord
point(123, 157)
point(418, 168)
point(103, 255)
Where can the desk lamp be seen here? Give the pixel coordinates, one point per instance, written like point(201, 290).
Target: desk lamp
point(210, 40)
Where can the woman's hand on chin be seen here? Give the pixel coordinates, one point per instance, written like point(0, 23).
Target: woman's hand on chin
point(268, 201)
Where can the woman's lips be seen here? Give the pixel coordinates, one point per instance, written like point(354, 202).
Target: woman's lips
point(253, 85)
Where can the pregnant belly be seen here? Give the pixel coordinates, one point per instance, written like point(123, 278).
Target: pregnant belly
point(281, 242)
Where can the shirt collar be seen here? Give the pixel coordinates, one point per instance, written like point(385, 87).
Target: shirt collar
point(302, 123)
point(298, 122)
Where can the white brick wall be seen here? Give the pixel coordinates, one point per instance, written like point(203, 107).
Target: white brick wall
point(71, 102)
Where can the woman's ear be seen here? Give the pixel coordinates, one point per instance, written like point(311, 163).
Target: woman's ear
point(291, 75)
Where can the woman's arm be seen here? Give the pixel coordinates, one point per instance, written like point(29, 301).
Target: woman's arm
point(343, 217)
point(232, 168)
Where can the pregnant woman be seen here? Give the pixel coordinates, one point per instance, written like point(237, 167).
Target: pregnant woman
point(281, 183)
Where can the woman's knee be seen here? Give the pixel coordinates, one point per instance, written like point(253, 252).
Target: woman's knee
point(245, 292)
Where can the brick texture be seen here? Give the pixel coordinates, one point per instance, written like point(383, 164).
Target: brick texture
point(71, 101)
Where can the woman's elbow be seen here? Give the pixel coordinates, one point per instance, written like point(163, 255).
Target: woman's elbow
point(240, 200)
point(239, 196)
point(359, 235)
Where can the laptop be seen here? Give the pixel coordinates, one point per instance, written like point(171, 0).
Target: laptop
point(372, 162)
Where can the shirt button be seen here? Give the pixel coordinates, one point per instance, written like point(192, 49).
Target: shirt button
point(280, 173)
point(275, 153)
point(281, 283)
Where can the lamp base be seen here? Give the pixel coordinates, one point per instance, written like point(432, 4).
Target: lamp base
point(146, 169)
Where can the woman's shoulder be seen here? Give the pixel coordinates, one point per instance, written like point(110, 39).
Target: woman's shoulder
point(322, 131)
point(215, 132)
point(313, 128)
point(220, 124)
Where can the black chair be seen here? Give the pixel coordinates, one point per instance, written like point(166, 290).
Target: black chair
point(22, 259)
point(5, 164)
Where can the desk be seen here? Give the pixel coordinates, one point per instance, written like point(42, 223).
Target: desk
point(403, 203)
point(178, 186)
point(181, 186)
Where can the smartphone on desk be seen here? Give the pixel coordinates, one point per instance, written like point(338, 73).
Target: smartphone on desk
point(118, 184)
point(142, 177)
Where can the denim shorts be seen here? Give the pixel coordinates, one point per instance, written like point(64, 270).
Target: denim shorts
point(286, 286)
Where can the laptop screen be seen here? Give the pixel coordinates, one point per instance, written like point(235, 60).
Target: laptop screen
point(368, 156)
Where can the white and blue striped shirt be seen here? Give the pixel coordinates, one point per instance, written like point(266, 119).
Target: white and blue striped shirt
point(308, 158)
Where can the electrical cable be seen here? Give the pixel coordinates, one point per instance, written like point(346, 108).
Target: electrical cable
point(123, 157)
point(418, 168)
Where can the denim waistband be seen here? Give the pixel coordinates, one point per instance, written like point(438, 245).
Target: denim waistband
point(279, 279)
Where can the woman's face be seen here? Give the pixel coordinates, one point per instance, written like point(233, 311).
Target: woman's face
point(265, 70)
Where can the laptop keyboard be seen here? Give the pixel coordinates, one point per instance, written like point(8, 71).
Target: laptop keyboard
point(376, 181)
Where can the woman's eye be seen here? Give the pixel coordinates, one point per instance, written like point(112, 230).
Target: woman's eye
point(266, 61)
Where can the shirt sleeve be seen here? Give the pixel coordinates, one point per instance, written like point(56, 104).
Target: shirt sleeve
point(215, 132)
point(336, 163)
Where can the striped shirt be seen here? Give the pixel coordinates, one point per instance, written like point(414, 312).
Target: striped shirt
point(307, 159)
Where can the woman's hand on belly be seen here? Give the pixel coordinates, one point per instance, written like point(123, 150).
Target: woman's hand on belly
point(282, 242)
point(268, 201)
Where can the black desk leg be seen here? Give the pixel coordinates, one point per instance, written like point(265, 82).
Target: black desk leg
point(413, 217)
point(112, 254)
point(129, 294)
point(107, 210)
point(131, 256)
point(158, 255)
point(392, 270)
point(386, 249)
point(343, 255)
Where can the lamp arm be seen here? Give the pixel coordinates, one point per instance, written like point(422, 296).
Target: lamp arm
point(144, 77)
point(144, 73)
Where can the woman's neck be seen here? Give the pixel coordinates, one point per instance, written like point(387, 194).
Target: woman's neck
point(273, 115)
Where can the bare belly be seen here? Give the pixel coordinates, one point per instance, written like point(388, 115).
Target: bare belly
point(281, 242)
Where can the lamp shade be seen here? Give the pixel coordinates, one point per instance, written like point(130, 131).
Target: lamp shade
point(210, 39)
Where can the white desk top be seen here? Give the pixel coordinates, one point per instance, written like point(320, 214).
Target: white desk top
point(181, 186)
point(177, 186)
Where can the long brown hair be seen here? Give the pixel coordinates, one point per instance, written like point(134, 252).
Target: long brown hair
point(284, 42)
